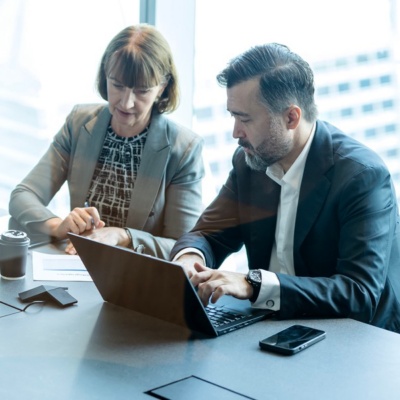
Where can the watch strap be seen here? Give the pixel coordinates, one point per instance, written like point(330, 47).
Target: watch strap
point(256, 284)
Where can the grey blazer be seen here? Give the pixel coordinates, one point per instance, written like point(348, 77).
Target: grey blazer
point(166, 199)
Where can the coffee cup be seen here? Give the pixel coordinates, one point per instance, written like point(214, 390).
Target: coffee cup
point(13, 254)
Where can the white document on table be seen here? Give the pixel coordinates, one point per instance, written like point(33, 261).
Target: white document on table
point(58, 267)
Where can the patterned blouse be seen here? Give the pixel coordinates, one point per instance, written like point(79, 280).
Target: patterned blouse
point(115, 176)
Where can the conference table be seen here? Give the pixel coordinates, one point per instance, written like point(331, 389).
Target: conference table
point(94, 350)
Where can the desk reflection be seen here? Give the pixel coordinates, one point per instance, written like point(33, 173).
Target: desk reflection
point(134, 353)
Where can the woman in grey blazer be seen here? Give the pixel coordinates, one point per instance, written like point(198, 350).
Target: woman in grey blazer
point(134, 177)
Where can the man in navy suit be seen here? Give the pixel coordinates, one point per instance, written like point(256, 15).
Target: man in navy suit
point(315, 209)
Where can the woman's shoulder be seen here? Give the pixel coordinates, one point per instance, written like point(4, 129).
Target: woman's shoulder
point(90, 116)
point(85, 112)
point(175, 131)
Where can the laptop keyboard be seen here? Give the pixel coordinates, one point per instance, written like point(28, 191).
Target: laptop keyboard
point(220, 316)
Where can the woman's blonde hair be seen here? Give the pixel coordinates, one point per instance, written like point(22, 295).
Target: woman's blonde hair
point(139, 56)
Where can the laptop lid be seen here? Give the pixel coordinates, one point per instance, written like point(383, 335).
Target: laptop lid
point(152, 286)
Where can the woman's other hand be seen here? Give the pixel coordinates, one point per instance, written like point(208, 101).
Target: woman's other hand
point(109, 235)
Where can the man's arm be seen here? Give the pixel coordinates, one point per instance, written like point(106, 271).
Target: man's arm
point(217, 233)
point(362, 217)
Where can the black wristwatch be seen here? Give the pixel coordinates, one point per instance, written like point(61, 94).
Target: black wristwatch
point(254, 277)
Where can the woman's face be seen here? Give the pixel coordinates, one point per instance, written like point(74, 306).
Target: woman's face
point(130, 107)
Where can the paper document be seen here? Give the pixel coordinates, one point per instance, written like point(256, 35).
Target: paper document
point(58, 267)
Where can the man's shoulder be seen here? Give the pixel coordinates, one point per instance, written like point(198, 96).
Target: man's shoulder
point(348, 149)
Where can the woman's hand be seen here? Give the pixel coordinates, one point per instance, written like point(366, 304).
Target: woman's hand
point(110, 235)
point(77, 221)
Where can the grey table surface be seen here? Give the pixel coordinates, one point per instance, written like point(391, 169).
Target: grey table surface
point(94, 350)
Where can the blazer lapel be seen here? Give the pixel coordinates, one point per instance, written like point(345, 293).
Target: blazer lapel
point(151, 172)
point(88, 148)
point(264, 222)
point(314, 189)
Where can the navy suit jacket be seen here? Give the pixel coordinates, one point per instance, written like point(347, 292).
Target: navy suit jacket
point(346, 241)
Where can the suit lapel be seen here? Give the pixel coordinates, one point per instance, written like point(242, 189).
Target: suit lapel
point(257, 202)
point(150, 176)
point(314, 189)
point(264, 221)
point(88, 148)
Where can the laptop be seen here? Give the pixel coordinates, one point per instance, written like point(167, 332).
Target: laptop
point(160, 289)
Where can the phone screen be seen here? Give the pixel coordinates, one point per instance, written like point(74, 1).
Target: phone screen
point(292, 340)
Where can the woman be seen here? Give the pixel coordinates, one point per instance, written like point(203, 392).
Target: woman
point(125, 163)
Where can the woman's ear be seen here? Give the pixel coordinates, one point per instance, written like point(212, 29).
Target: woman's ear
point(161, 90)
point(163, 85)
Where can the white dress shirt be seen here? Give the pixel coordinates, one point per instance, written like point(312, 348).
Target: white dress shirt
point(282, 251)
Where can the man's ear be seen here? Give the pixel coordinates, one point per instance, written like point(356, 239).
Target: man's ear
point(293, 116)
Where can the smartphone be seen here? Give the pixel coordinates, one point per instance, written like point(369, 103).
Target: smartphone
point(292, 340)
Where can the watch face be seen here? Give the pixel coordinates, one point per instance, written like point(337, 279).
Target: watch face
point(255, 275)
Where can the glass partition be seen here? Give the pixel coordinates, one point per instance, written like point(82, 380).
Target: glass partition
point(352, 46)
point(49, 54)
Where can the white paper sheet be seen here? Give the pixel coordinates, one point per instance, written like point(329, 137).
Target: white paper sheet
point(58, 267)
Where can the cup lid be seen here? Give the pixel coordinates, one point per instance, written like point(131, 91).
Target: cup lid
point(14, 236)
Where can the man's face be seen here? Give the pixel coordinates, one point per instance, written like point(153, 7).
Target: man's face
point(263, 136)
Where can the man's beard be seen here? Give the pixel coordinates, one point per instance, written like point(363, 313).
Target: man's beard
point(256, 162)
point(271, 150)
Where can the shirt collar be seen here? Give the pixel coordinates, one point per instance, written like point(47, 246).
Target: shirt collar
point(294, 175)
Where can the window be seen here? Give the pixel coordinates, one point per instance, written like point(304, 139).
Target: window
point(341, 62)
point(392, 153)
point(367, 108)
point(204, 113)
point(25, 27)
point(390, 128)
point(344, 87)
point(346, 112)
point(388, 104)
point(381, 55)
point(362, 58)
point(365, 83)
point(210, 140)
point(228, 136)
point(320, 67)
point(323, 91)
point(370, 133)
point(332, 57)
point(385, 79)
point(49, 55)
point(214, 166)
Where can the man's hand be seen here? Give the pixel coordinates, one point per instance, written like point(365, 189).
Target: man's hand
point(213, 284)
point(187, 261)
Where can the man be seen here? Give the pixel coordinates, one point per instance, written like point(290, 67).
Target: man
point(315, 209)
